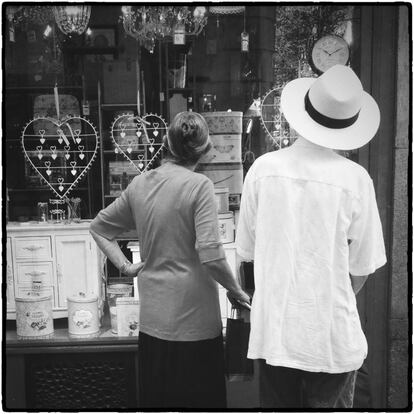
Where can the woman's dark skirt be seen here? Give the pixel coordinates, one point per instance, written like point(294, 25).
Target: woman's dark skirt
point(181, 374)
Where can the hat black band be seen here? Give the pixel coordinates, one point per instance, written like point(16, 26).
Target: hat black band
point(326, 121)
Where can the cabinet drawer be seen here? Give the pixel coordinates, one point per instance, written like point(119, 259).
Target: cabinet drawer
point(41, 271)
point(23, 291)
point(33, 248)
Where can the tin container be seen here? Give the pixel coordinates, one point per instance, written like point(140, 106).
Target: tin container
point(222, 199)
point(83, 316)
point(228, 175)
point(34, 317)
point(225, 148)
point(127, 315)
point(226, 122)
point(226, 227)
point(113, 292)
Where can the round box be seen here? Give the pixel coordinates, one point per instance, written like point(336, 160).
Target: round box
point(226, 227)
point(34, 317)
point(83, 316)
point(222, 199)
point(228, 122)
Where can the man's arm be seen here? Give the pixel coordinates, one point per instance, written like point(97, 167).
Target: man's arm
point(358, 283)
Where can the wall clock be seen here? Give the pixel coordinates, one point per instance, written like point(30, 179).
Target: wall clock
point(328, 51)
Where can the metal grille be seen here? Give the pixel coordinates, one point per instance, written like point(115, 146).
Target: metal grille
point(81, 381)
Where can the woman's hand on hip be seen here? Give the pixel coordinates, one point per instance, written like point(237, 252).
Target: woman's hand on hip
point(133, 269)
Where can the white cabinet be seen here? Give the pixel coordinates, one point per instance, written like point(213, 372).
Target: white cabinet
point(63, 257)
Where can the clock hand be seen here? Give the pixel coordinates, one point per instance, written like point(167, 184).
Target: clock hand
point(337, 50)
point(323, 50)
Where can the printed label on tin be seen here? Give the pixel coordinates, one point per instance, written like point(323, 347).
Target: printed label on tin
point(82, 318)
point(223, 230)
point(37, 320)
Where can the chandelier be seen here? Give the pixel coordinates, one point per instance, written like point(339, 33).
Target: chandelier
point(72, 19)
point(227, 9)
point(147, 24)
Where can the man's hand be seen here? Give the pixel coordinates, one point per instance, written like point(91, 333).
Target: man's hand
point(239, 299)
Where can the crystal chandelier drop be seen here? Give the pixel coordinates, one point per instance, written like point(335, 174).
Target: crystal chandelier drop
point(148, 24)
point(223, 10)
point(72, 19)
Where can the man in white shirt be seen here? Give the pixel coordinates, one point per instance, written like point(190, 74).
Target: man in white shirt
point(309, 220)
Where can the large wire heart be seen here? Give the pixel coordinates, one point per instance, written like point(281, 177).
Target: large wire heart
point(273, 121)
point(139, 139)
point(61, 153)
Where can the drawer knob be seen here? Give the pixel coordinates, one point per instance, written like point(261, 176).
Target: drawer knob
point(33, 247)
point(35, 273)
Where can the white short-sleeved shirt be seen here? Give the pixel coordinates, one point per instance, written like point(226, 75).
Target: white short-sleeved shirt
point(308, 219)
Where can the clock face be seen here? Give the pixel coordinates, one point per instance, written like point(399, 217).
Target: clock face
point(328, 51)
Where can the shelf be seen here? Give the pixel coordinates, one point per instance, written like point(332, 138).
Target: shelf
point(25, 190)
point(110, 106)
point(86, 50)
point(180, 90)
point(35, 88)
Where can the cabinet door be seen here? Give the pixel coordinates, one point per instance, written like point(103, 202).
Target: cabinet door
point(75, 266)
point(11, 306)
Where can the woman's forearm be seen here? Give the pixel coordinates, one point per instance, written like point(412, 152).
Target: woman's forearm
point(111, 250)
point(220, 271)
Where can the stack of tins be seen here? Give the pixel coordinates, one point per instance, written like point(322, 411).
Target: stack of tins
point(223, 165)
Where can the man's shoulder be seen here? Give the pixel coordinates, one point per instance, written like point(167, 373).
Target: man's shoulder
point(352, 167)
point(272, 158)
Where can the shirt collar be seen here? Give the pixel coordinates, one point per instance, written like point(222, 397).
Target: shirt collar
point(302, 142)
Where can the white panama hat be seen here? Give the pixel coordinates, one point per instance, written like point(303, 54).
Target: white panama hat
point(332, 111)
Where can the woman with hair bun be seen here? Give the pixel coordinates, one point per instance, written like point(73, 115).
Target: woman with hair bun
point(181, 358)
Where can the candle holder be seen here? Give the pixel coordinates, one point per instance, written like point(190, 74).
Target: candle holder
point(56, 213)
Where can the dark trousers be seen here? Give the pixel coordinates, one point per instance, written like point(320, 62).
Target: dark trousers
point(178, 374)
point(282, 387)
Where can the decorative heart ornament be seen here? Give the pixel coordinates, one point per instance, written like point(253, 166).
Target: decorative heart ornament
point(273, 121)
point(139, 139)
point(62, 152)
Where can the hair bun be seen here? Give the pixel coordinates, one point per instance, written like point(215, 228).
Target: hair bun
point(187, 130)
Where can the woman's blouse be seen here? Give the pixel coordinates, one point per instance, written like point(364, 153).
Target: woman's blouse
point(174, 213)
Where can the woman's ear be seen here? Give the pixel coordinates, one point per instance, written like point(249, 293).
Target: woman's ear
point(165, 141)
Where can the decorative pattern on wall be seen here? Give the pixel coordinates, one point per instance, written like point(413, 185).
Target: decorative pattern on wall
point(139, 139)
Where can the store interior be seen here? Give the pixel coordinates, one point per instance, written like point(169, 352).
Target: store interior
point(88, 94)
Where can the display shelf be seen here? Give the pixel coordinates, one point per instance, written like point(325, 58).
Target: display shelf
point(39, 87)
point(31, 189)
point(85, 50)
point(114, 106)
point(180, 90)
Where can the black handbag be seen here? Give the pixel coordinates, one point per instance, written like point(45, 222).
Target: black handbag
point(238, 366)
